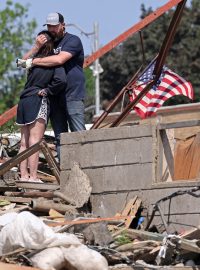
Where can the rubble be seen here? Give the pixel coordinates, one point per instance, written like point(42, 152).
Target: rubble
point(123, 246)
point(123, 241)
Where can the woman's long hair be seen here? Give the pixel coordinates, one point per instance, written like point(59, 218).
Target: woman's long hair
point(47, 48)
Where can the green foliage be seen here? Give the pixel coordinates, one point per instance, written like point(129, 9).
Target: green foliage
point(90, 94)
point(10, 127)
point(123, 239)
point(122, 62)
point(15, 35)
point(90, 91)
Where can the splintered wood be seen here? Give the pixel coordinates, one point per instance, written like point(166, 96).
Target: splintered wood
point(131, 210)
point(6, 266)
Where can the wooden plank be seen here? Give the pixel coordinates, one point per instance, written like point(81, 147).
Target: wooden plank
point(16, 199)
point(56, 216)
point(131, 209)
point(181, 124)
point(187, 159)
point(138, 245)
point(30, 194)
point(8, 266)
point(185, 244)
point(177, 184)
point(128, 206)
point(168, 152)
point(38, 186)
point(121, 268)
point(46, 177)
point(148, 267)
point(41, 145)
point(6, 166)
point(51, 160)
point(87, 221)
point(185, 132)
point(191, 234)
point(8, 115)
point(179, 116)
point(5, 187)
point(133, 212)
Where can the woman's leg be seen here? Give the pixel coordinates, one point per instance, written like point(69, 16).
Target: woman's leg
point(23, 146)
point(36, 133)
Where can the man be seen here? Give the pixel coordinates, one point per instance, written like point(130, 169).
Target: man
point(67, 108)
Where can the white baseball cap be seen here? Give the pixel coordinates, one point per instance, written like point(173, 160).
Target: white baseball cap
point(54, 18)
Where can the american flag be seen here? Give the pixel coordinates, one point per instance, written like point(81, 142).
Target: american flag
point(169, 84)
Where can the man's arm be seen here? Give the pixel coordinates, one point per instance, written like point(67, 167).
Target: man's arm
point(49, 61)
point(54, 60)
point(39, 42)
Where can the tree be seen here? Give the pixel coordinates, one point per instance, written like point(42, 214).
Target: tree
point(122, 62)
point(90, 94)
point(15, 35)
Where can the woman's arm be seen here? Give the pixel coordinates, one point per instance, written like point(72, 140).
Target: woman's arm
point(58, 83)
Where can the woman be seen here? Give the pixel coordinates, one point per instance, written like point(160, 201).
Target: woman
point(33, 107)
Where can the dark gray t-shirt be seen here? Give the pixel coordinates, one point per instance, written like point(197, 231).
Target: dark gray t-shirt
point(75, 89)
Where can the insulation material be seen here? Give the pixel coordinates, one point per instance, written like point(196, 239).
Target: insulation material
point(60, 250)
point(72, 258)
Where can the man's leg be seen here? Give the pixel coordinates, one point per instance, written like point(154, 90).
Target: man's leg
point(23, 146)
point(75, 115)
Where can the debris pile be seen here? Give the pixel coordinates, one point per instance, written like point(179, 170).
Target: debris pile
point(72, 238)
point(49, 228)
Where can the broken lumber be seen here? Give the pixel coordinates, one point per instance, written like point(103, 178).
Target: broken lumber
point(85, 221)
point(8, 266)
point(138, 245)
point(191, 234)
point(51, 160)
point(144, 235)
point(19, 158)
point(128, 206)
point(41, 145)
point(131, 210)
point(30, 194)
point(37, 194)
point(38, 186)
point(16, 199)
point(56, 216)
